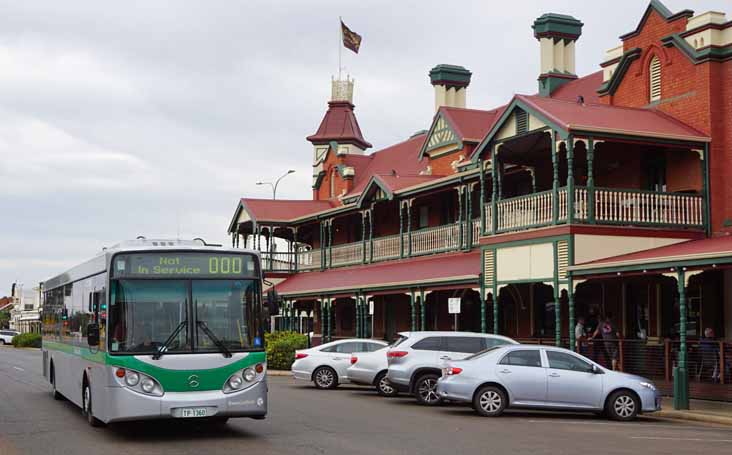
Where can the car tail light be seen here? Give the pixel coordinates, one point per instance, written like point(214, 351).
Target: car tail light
point(454, 370)
point(396, 354)
point(300, 355)
point(354, 359)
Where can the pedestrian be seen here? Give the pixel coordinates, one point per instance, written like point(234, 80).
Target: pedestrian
point(610, 336)
point(579, 335)
point(709, 348)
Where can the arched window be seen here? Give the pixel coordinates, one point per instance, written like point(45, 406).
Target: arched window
point(655, 79)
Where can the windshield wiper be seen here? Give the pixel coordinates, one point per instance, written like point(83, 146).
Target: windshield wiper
point(219, 344)
point(164, 347)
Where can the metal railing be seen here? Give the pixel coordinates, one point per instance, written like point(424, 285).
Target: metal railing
point(648, 207)
point(435, 239)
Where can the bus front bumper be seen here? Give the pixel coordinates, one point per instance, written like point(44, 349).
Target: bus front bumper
point(125, 404)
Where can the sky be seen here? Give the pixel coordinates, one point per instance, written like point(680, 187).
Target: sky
point(154, 117)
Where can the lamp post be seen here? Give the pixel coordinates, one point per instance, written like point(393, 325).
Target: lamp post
point(277, 182)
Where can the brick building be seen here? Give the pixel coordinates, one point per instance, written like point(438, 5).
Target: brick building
point(604, 194)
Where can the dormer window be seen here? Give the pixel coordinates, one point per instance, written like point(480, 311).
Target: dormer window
point(655, 79)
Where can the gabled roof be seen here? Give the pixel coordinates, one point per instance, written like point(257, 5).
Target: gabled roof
point(584, 86)
point(435, 270)
point(390, 184)
point(573, 116)
point(708, 251)
point(277, 210)
point(340, 125)
point(470, 124)
point(663, 11)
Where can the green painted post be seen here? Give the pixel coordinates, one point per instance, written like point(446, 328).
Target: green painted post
point(557, 304)
point(401, 230)
point(330, 320)
point(322, 246)
point(413, 308)
point(468, 218)
point(590, 182)
point(570, 304)
point(555, 179)
point(371, 235)
point(460, 215)
point(570, 179)
point(483, 322)
point(295, 248)
point(705, 189)
point(357, 303)
point(681, 375)
point(495, 309)
point(481, 205)
point(330, 243)
point(423, 306)
point(494, 197)
point(409, 228)
point(363, 237)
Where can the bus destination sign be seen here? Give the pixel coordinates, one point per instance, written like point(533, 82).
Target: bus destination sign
point(183, 265)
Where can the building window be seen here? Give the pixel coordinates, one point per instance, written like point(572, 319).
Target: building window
point(655, 79)
point(424, 217)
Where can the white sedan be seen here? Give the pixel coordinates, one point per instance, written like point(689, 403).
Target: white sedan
point(369, 368)
point(326, 365)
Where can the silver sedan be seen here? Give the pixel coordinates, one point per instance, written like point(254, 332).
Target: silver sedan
point(326, 365)
point(544, 377)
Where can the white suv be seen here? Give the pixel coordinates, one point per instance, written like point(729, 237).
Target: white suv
point(6, 336)
point(416, 359)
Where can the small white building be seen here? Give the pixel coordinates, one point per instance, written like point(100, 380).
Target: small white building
point(26, 313)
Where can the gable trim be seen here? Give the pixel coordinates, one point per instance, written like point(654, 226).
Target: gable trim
point(448, 128)
point(612, 84)
point(703, 55)
point(375, 181)
point(663, 11)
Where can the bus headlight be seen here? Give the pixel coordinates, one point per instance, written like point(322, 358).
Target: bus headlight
point(139, 382)
point(244, 378)
point(132, 378)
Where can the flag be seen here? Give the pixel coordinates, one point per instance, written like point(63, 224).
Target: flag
point(351, 40)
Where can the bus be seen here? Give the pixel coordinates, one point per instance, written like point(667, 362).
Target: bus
point(158, 329)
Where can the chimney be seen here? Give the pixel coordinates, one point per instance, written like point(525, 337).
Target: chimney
point(450, 82)
point(557, 34)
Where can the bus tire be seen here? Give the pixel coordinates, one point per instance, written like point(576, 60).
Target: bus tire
point(87, 408)
point(54, 392)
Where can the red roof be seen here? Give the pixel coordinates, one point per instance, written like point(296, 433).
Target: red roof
point(282, 209)
point(571, 115)
point(470, 124)
point(420, 271)
point(340, 125)
point(711, 248)
point(585, 86)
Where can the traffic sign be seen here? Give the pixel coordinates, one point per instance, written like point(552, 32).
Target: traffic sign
point(453, 305)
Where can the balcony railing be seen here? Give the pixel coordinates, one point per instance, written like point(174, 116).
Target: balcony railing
point(425, 241)
point(610, 206)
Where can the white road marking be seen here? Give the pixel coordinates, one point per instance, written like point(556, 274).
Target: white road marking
point(19, 369)
point(681, 439)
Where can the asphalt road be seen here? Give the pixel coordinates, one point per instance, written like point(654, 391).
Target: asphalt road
point(348, 420)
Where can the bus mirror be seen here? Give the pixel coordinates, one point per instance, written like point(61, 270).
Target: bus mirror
point(92, 334)
point(273, 305)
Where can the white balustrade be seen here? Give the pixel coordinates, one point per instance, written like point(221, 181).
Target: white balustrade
point(525, 211)
point(434, 239)
point(644, 207)
point(349, 253)
point(386, 247)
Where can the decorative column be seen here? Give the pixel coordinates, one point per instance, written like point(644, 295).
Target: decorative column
point(330, 243)
point(322, 246)
point(483, 322)
point(570, 305)
point(460, 190)
point(330, 319)
point(591, 144)
point(258, 230)
point(363, 236)
point(555, 178)
point(496, 291)
point(401, 229)
point(371, 234)
point(481, 206)
point(423, 306)
point(494, 197)
point(532, 173)
point(295, 248)
point(704, 162)
point(681, 374)
point(409, 227)
point(557, 294)
point(570, 179)
point(413, 308)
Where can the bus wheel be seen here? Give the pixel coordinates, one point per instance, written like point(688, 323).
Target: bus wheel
point(87, 409)
point(54, 393)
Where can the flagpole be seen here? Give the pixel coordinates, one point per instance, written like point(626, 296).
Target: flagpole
point(340, 45)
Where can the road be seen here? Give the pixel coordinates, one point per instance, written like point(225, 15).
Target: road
point(348, 420)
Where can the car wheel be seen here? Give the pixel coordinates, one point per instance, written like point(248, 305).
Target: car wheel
point(490, 401)
point(87, 409)
point(384, 387)
point(55, 393)
point(623, 406)
point(325, 378)
point(425, 390)
point(2, 341)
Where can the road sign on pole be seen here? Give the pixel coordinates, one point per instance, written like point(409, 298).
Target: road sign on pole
point(453, 307)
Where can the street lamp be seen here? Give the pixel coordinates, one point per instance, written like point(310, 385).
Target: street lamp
point(277, 182)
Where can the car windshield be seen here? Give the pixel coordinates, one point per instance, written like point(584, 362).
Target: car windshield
point(213, 315)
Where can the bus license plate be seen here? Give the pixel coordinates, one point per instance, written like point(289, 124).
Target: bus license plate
point(192, 412)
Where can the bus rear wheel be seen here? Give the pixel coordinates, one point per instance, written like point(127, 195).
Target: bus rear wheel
point(54, 392)
point(87, 409)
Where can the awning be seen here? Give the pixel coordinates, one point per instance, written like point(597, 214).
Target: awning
point(458, 268)
point(693, 253)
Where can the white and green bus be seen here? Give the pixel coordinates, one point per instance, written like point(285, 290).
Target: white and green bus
point(158, 329)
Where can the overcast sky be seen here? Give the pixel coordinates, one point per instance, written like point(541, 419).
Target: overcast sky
point(120, 119)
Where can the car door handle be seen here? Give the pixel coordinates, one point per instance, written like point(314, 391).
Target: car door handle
point(445, 357)
point(553, 375)
point(506, 371)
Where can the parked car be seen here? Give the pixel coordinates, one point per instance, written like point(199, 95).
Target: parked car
point(545, 377)
point(369, 368)
point(326, 365)
point(6, 336)
point(416, 359)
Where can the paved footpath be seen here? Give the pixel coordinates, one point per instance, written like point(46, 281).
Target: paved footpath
point(348, 420)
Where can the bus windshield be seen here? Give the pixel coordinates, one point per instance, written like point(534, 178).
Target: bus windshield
point(144, 313)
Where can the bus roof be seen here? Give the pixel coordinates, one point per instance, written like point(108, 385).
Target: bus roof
point(98, 264)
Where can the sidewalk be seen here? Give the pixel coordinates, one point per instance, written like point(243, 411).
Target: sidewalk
point(699, 410)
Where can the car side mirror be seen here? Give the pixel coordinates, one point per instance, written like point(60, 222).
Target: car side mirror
point(597, 370)
point(92, 334)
